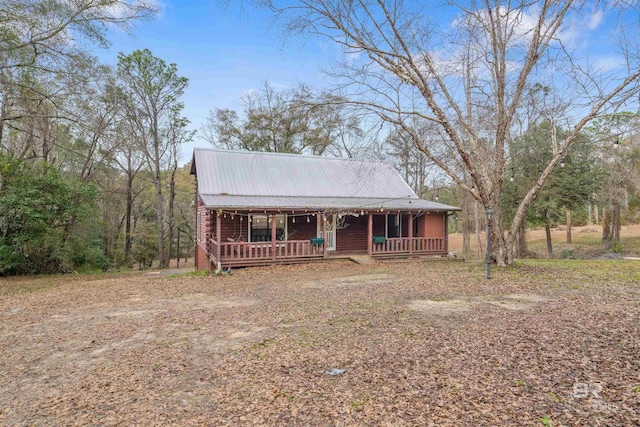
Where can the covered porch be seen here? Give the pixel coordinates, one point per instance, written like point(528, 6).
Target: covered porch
point(247, 238)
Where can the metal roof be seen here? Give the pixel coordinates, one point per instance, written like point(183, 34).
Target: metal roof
point(247, 179)
point(320, 203)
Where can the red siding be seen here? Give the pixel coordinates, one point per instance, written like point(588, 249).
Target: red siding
point(302, 230)
point(354, 237)
point(233, 227)
point(379, 225)
point(405, 225)
point(431, 225)
point(202, 260)
point(203, 215)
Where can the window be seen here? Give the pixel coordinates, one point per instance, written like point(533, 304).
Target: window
point(394, 226)
point(260, 227)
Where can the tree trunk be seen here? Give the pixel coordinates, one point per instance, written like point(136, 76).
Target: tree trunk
point(465, 219)
point(547, 230)
point(127, 226)
point(502, 248)
point(521, 242)
point(479, 241)
point(616, 225)
point(178, 250)
point(568, 225)
point(595, 214)
point(160, 219)
point(172, 196)
point(162, 263)
point(606, 229)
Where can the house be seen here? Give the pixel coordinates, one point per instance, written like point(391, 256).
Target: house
point(262, 208)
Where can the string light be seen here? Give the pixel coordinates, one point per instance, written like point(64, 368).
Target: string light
point(307, 213)
point(562, 165)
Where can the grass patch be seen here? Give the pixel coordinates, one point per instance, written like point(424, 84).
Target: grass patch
point(199, 273)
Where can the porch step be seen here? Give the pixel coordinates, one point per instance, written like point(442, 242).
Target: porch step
point(362, 259)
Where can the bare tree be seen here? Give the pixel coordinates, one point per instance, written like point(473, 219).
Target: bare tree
point(44, 51)
point(469, 78)
point(288, 121)
point(618, 136)
point(176, 135)
point(153, 89)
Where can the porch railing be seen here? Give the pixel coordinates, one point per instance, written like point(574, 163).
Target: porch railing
point(409, 245)
point(262, 251)
point(213, 250)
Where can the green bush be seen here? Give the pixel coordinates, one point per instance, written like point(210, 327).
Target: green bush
point(42, 217)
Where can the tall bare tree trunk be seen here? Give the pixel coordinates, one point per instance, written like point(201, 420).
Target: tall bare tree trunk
point(465, 223)
point(479, 241)
point(595, 214)
point(178, 249)
point(172, 196)
point(521, 242)
point(616, 225)
point(547, 230)
point(162, 262)
point(568, 212)
point(606, 229)
point(127, 223)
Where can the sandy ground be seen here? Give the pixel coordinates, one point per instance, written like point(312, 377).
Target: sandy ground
point(418, 343)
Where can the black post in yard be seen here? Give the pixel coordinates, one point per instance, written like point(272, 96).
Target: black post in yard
point(489, 213)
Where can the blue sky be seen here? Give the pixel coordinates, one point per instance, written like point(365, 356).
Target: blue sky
point(226, 53)
point(223, 53)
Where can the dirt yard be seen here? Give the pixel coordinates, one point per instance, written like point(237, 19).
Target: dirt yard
point(401, 343)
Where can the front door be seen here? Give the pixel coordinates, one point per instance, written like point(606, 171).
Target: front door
point(330, 239)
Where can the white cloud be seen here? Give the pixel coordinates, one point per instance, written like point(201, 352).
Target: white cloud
point(595, 19)
point(606, 63)
point(124, 8)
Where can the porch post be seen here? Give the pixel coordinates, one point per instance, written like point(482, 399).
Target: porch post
point(410, 233)
point(273, 236)
point(370, 234)
point(219, 240)
point(446, 232)
point(324, 235)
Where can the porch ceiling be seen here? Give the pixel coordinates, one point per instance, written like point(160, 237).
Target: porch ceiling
point(320, 203)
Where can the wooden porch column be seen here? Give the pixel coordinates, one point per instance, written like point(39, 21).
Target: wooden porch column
point(370, 234)
point(324, 235)
point(410, 233)
point(446, 232)
point(273, 236)
point(218, 239)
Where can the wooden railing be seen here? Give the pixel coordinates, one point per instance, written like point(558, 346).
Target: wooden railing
point(257, 251)
point(409, 245)
point(213, 251)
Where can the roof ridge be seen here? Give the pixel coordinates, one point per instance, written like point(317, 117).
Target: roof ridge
point(275, 154)
point(408, 197)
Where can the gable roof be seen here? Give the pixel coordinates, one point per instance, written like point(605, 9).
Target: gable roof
point(247, 179)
